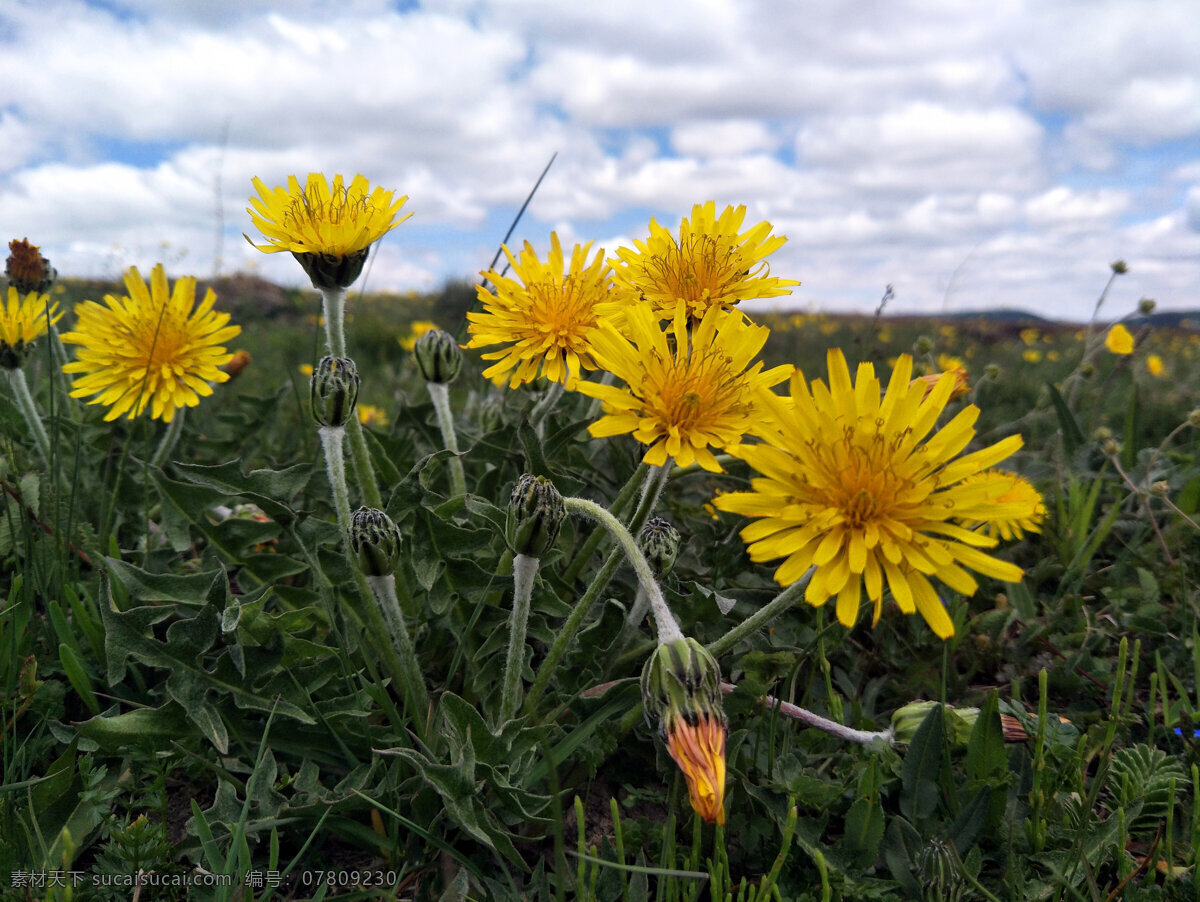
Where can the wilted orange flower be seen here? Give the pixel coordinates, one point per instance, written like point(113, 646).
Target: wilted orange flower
point(699, 750)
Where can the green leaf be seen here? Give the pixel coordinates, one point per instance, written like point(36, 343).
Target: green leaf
point(151, 726)
point(77, 676)
point(1071, 433)
point(190, 589)
point(922, 767)
point(269, 489)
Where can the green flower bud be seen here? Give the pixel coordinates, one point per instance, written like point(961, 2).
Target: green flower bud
point(1111, 447)
point(923, 346)
point(1146, 306)
point(535, 514)
point(375, 540)
point(992, 371)
point(438, 356)
point(907, 720)
point(1193, 418)
point(1101, 434)
point(941, 870)
point(333, 390)
point(1087, 370)
point(1160, 487)
point(1119, 267)
point(330, 271)
point(659, 541)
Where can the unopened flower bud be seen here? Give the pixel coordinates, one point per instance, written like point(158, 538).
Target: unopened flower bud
point(992, 371)
point(923, 346)
point(1146, 306)
point(535, 515)
point(908, 719)
point(375, 540)
point(1087, 370)
point(659, 541)
point(681, 693)
point(1193, 418)
point(1101, 434)
point(438, 356)
point(27, 269)
point(1111, 447)
point(239, 361)
point(331, 271)
point(1160, 488)
point(1119, 267)
point(333, 389)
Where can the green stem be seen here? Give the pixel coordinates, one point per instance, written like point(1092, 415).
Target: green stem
point(384, 588)
point(525, 568)
point(763, 615)
point(16, 379)
point(624, 498)
point(361, 458)
point(439, 393)
point(169, 439)
point(333, 308)
point(416, 698)
point(664, 620)
point(537, 417)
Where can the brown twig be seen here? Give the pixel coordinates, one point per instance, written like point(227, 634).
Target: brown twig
point(15, 494)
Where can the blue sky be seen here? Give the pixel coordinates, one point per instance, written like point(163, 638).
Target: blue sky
point(970, 156)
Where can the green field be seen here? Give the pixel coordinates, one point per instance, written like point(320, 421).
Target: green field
point(193, 681)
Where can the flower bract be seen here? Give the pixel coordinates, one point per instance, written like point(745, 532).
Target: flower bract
point(686, 390)
point(23, 319)
point(856, 483)
point(713, 263)
point(545, 317)
point(335, 220)
point(153, 347)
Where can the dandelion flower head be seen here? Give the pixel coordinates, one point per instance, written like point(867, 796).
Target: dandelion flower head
point(713, 263)
point(1018, 511)
point(857, 484)
point(153, 347)
point(335, 220)
point(686, 390)
point(545, 317)
point(24, 319)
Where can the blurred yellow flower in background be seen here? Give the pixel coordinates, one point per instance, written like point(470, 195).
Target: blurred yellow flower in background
point(370, 415)
point(418, 328)
point(154, 347)
point(1154, 364)
point(24, 319)
point(1118, 340)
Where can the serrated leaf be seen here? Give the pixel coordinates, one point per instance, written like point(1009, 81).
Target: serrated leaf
point(271, 490)
point(148, 725)
point(190, 589)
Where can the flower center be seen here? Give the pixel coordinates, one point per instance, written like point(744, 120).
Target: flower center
point(702, 270)
point(342, 207)
point(695, 391)
point(858, 479)
point(559, 314)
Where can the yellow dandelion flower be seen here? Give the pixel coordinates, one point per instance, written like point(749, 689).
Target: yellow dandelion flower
point(1018, 510)
point(418, 328)
point(854, 484)
point(1031, 355)
point(546, 316)
point(684, 391)
point(154, 347)
point(335, 220)
point(961, 385)
point(328, 228)
point(1154, 364)
point(1118, 340)
point(712, 264)
point(24, 319)
point(1030, 336)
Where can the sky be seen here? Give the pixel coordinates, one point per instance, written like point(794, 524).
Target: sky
point(970, 155)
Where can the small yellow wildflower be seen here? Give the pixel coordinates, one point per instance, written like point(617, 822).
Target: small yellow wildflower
point(1032, 355)
point(370, 415)
point(22, 321)
point(1154, 364)
point(1118, 340)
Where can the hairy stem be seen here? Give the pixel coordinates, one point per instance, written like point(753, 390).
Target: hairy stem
point(439, 393)
point(525, 568)
point(763, 615)
point(170, 438)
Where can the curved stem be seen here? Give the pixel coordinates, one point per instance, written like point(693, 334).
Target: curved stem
point(667, 627)
point(525, 568)
point(439, 393)
point(537, 417)
point(763, 615)
point(16, 379)
point(624, 497)
point(169, 439)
